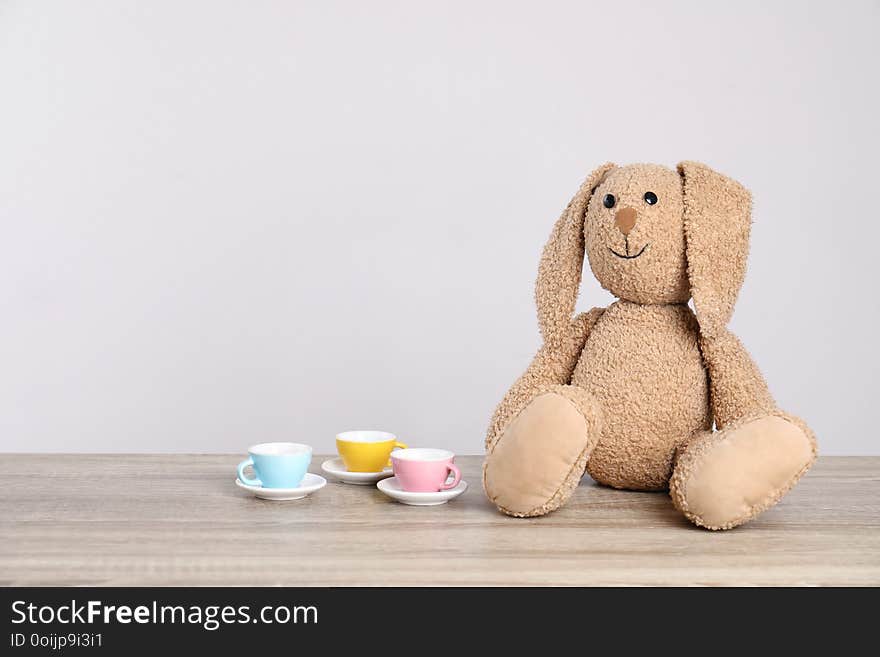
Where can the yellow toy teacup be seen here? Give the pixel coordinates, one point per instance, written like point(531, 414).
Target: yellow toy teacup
point(366, 451)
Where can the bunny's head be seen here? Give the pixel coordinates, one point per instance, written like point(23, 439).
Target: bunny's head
point(653, 235)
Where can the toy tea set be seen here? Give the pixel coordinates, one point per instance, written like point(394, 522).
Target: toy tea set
point(414, 476)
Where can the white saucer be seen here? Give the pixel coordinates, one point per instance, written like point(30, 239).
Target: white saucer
point(309, 484)
point(393, 490)
point(336, 469)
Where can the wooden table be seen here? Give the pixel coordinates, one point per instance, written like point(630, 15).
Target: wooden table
point(119, 520)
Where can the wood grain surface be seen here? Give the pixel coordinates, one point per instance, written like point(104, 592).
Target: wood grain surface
point(120, 520)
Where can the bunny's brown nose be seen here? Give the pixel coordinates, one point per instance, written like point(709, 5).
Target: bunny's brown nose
point(625, 220)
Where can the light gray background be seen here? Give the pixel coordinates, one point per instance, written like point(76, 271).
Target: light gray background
point(230, 222)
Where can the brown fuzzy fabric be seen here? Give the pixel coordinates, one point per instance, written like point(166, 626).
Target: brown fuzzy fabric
point(647, 377)
point(738, 388)
point(717, 222)
point(643, 366)
point(559, 273)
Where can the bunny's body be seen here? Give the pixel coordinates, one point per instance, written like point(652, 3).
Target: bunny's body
point(629, 394)
point(639, 357)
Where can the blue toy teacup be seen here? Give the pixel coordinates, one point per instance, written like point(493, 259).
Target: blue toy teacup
point(277, 465)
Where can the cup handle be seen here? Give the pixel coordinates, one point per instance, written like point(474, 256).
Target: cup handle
point(397, 445)
point(455, 471)
point(244, 478)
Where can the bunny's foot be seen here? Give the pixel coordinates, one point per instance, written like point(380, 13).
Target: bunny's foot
point(726, 478)
point(540, 457)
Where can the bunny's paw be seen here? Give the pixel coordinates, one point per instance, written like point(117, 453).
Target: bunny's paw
point(726, 478)
point(541, 456)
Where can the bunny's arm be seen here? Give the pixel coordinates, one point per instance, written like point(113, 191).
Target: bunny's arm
point(550, 366)
point(738, 389)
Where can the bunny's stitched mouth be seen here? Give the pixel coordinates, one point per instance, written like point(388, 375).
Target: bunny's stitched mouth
point(628, 257)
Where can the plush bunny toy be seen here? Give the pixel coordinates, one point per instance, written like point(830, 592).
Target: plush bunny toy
point(629, 393)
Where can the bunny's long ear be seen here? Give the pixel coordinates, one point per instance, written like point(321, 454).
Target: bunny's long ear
point(717, 221)
point(559, 274)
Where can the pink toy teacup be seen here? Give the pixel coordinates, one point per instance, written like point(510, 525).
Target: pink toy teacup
point(420, 470)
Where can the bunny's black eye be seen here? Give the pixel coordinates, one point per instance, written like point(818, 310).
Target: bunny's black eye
point(609, 201)
point(650, 198)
